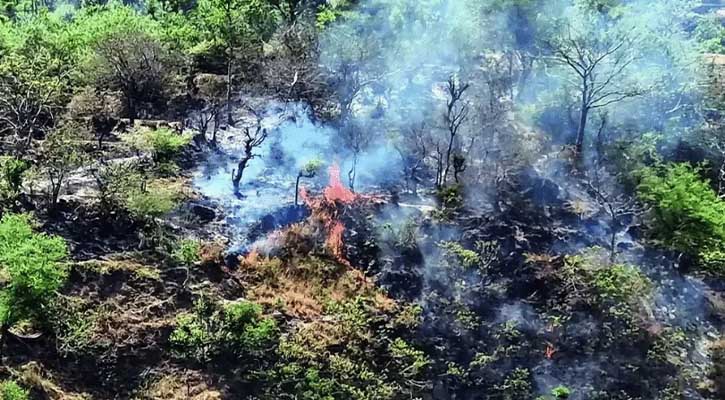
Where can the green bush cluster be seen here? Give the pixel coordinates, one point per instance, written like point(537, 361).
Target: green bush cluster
point(451, 201)
point(213, 330)
point(187, 251)
point(10, 390)
point(11, 178)
point(164, 144)
point(686, 214)
point(32, 267)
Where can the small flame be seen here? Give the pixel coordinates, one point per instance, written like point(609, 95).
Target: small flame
point(550, 351)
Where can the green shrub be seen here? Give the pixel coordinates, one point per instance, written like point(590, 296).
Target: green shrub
point(212, 330)
point(10, 390)
point(411, 361)
point(462, 256)
point(561, 392)
point(621, 284)
point(450, 199)
point(164, 144)
point(188, 251)
point(11, 178)
point(32, 269)
point(686, 214)
point(516, 385)
point(152, 201)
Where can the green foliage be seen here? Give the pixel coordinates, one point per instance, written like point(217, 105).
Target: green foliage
point(413, 360)
point(164, 144)
point(617, 292)
point(311, 168)
point(10, 390)
point(213, 330)
point(152, 200)
point(464, 257)
point(711, 35)
point(188, 251)
point(32, 89)
point(11, 178)
point(450, 199)
point(32, 270)
point(669, 347)
point(73, 322)
point(686, 214)
point(230, 25)
point(561, 392)
point(400, 236)
point(516, 386)
point(620, 284)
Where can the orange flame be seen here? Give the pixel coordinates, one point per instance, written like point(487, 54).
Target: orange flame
point(334, 241)
point(335, 190)
point(550, 351)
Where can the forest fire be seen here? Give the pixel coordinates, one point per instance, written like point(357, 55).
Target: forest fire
point(326, 209)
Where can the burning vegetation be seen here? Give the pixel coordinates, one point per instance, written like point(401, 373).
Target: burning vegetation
point(523, 199)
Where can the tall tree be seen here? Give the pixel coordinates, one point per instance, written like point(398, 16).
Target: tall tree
point(238, 27)
point(599, 62)
point(135, 64)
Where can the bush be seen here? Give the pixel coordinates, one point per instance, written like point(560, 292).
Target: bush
point(10, 390)
point(212, 330)
point(686, 214)
point(188, 251)
point(11, 178)
point(153, 200)
point(164, 144)
point(32, 267)
point(450, 199)
point(561, 392)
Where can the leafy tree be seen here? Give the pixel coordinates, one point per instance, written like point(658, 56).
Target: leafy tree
point(32, 269)
point(237, 27)
point(136, 64)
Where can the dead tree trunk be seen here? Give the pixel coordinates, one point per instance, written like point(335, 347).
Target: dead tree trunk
point(251, 142)
point(455, 116)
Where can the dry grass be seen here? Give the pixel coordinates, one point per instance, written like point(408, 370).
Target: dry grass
point(33, 375)
point(303, 287)
point(109, 266)
point(178, 386)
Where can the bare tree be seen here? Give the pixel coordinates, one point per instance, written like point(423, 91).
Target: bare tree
point(252, 140)
point(607, 192)
point(600, 63)
point(413, 151)
point(455, 114)
point(29, 98)
point(356, 140)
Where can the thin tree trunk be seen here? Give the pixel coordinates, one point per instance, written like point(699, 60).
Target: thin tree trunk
point(230, 121)
point(297, 189)
point(584, 113)
point(353, 172)
point(237, 178)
